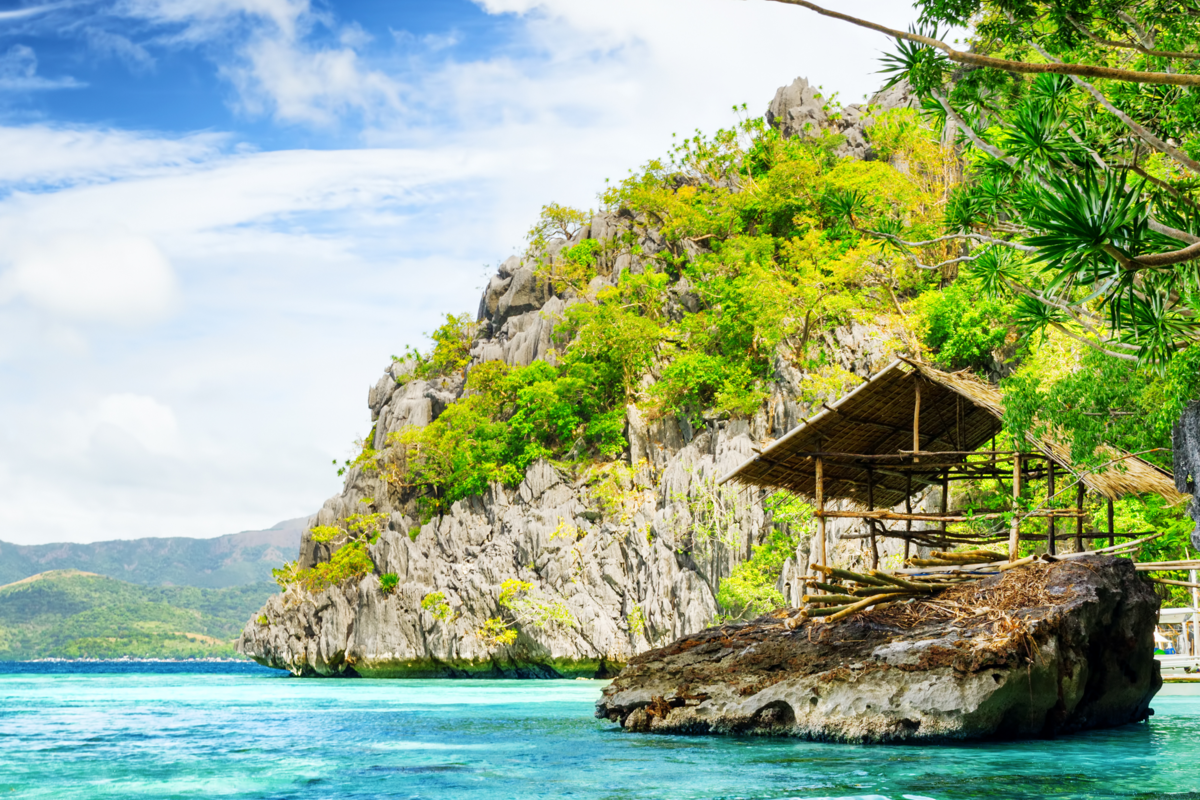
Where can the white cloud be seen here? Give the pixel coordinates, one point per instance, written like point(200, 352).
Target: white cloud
point(299, 83)
point(90, 276)
point(145, 420)
point(206, 18)
point(36, 155)
point(108, 43)
point(18, 73)
point(29, 11)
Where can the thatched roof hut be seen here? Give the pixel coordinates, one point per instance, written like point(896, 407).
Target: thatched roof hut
point(927, 420)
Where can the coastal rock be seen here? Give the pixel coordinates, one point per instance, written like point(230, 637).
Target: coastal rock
point(1039, 651)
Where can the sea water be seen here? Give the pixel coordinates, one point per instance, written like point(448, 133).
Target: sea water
point(240, 731)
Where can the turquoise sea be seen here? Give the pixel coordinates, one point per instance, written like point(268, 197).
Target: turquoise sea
point(240, 731)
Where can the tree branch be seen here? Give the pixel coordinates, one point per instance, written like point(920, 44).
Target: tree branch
point(1145, 135)
point(978, 237)
point(1190, 253)
point(977, 60)
point(1140, 47)
point(991, 150)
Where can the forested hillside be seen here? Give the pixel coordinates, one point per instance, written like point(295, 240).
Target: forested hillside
point(72, 614)
point(235, 559)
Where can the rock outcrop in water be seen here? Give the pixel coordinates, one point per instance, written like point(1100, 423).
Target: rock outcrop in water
point(1039, 651)
point(634, 568)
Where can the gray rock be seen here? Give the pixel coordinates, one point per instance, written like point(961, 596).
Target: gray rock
point(1081, 658)
point(797, 111)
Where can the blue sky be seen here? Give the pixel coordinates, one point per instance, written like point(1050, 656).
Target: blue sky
point(219, 218)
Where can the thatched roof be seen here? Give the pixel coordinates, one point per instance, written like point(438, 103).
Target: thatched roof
point(958, 414)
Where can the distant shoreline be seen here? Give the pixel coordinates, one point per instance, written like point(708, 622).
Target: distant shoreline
point(129, 660)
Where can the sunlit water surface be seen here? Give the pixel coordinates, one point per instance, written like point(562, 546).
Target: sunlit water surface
point(239, 731)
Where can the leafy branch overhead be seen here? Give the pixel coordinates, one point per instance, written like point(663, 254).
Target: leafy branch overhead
point(1077, 125)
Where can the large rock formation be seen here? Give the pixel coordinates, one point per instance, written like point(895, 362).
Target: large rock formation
point(1043, 650)
point(636, 565)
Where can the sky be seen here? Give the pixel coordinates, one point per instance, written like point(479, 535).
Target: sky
point(219, 219)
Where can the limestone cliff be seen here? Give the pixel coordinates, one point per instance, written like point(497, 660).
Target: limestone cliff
point(636, 566)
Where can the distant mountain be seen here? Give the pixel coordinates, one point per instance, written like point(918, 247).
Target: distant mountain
point(73, 614)
point(237, 559)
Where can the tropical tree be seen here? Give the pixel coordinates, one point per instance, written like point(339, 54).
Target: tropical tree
point(1077, 124)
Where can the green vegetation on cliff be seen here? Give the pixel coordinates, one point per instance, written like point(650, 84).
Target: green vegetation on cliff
point(72, 614)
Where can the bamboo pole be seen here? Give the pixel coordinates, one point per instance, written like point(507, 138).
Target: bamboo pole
point(927, 517)
point(821, 509)
point(1050, 548)
point(908, 505)
point(945, 497)
point(1111, 539)
point(1014, 537)
point(917, 416)
point(871, 526)
point(1079, 490)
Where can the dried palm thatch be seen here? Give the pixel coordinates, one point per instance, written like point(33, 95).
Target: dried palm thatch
point(871, 427)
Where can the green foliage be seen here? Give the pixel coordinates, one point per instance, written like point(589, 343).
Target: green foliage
point(962, 327)
point(451, 351)
point(496, 632)
point(573, 267)
point(1100, 400)
point(511, 418)
point(437, 605)
point(1095, 177)
point(529, 606)
point(750, 590)
point(349, 562)
point(70, 614)
point(350, 559)
point(556, 222)
point(526, 605)
point(636, 621)
point(388, 582)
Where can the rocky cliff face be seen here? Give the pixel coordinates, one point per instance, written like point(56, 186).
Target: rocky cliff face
point(1043, 650)
point(636, 567)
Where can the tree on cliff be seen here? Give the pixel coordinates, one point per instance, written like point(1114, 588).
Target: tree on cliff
point(1078, 124)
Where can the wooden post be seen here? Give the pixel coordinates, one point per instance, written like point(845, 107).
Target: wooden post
point(908, 509)
point(1051, 548)
point(1111, 533)
point(917, 417)
point(1079, 520)
point(871, 524)
point(821, 509)
point(1014, 536)
point(945, 496)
